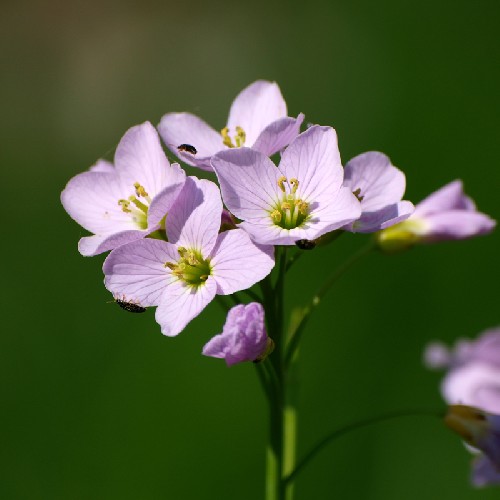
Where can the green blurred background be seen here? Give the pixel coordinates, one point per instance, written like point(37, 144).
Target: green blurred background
point(96, 403)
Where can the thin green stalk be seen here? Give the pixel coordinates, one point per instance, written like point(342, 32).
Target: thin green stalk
point(354, 426)
point(316, 299)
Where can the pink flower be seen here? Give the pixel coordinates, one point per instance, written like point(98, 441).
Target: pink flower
point(379, 186)
point(128, 201)
point(182, 276)
point(447, 214)
point(243, 337)
point(257, 119)
point(473, 379)
point(303, 198)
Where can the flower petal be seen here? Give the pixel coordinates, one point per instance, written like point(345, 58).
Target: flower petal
point(164, 200)
point(278, 134)
point(102, 166)
point(255, 107)
point(314, 159)
point(184, 128)
point(449, 197)
point(457, 225)
point(387, 216)
point(194, 219)
point(484, 472)
point(181, 303)
point(137, 270)
point(89, 246)
point(238, 263)
point(91, 199)
point(248, 181)
point(140, 158)
point(379, 182)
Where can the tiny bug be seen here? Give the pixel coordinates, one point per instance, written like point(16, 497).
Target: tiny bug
point(187, 148)
point(132, 307)
point(306, 244)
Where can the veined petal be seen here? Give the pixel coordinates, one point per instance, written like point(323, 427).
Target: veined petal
point(89, 246)
point(91, 199)
point(255, 107)
point(387, 216)
point(164, 200)
point(314, 159)
point(379, 182)
point(248, 181)
point(238, 263)
point(140, 158)
point(181, 303)
point(137, 271)
point(184, 128)
point(102, 166)
point(457, 224)
point(449, 197)
point(278, 134)
point(484, 472)
point(194, 219)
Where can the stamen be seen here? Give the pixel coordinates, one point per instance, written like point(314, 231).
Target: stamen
point(139, 190)
point(357, 193)
point(276, 216)
point(240, 137)
point(295, 184)
point(170, 265)
point(141, 206)
point(281, 182)
point(124, 204)
point(226, 140)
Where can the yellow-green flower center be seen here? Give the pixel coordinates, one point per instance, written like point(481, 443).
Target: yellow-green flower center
point(191, 267)
point(290, 211)
point(138, 209)
point(239, 138)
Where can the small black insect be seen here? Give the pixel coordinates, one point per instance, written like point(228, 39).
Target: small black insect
point(187, 148)
point(306, 244)
point(130, 306)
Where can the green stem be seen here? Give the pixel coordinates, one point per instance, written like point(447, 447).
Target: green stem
point(316, 299)
point(352, 427)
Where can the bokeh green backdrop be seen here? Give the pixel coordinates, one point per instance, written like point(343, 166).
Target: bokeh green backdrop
point(96, 403)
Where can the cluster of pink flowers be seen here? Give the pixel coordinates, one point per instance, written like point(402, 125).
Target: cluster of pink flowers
point(173, 242)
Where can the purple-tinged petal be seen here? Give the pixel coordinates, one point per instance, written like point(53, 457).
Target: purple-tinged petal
point(248, 181)
point(102, 166)
point(484, 473)
point(449, 197)
point(185, 128)
point(164, 200)
point(379, 183)
point(139, 157)
point(278, 134)
point(314, 159)
point(243, 337)
point(194, 220)
point(474, 384)
point(238, 263)
point(437, 356)
point(137, 271)
point(456, 225)
point(91, 199)
point(90, 246)
point(255, 107)
point(370, 222)
point(181, 303)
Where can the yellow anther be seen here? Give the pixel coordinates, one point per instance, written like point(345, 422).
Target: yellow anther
point(240, 137)
point(191, 258)
point(286, 206)
point(181, 251)
point(170, 265)
point(124, 204)
point(281, 182)
point(204, 277)
point(139, 190)
point(276, 215)
point(295, 184)
point(303, 207)
point(226, 140)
